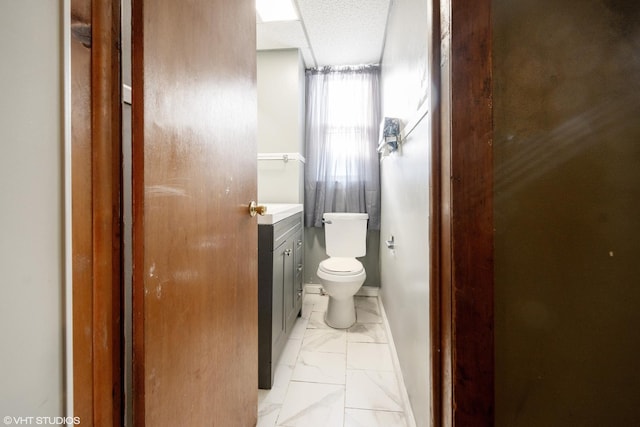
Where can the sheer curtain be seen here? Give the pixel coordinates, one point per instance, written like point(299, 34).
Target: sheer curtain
point(342, 173)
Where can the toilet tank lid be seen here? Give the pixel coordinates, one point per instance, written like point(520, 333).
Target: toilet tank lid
point(345, 216)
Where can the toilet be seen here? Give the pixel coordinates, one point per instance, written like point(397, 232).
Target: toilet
point(342, 274)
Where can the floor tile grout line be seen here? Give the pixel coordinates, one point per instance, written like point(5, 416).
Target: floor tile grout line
point(375, 410)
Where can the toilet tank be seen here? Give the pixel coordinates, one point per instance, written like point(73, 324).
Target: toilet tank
point(345, 234)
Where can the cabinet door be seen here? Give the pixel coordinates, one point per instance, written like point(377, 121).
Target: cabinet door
point(288, 284)
point(278, 337)
point(298, 252)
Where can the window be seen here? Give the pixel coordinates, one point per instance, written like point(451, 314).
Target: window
point(343, 118)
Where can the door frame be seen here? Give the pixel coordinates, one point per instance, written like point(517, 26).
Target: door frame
point(96, 300)
point(462, 340)
point(462, 222)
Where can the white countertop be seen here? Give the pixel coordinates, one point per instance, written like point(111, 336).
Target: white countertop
point(278, 211)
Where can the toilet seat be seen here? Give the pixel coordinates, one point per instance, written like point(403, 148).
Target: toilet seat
point(341, 266)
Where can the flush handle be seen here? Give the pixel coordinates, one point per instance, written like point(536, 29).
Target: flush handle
point(256, 209)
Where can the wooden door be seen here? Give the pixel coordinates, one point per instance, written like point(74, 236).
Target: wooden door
point(195, 245)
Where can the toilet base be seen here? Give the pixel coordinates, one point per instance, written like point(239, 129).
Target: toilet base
point(341, 313)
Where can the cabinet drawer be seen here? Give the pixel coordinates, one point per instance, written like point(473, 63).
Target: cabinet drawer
point(270, 236)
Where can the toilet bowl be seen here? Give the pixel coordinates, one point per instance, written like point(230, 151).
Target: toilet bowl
point(342, 274)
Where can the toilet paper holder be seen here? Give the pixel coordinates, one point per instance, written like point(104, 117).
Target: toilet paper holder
point(391, 243)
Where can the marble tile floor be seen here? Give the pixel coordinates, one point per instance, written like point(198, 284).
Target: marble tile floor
point(334, 378)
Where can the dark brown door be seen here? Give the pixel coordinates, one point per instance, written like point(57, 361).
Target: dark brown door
point(195, 245)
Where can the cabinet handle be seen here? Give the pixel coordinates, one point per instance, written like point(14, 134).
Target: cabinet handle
point(287, 252)
point(299, 267)
point(299, 293)
point(299, 243)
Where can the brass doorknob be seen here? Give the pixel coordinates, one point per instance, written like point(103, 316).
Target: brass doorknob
point(255, 209)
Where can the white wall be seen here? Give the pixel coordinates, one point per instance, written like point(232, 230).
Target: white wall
point(405, 184)
point(31, 214)
point(281, 118)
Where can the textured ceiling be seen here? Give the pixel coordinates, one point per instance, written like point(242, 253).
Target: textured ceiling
point(331, 32)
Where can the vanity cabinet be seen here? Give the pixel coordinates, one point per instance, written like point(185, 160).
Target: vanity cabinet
point(280, 264)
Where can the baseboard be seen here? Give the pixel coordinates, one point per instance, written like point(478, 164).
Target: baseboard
point(312, 288)
point(365, 291)
point(368, 291)
point(408, 410)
